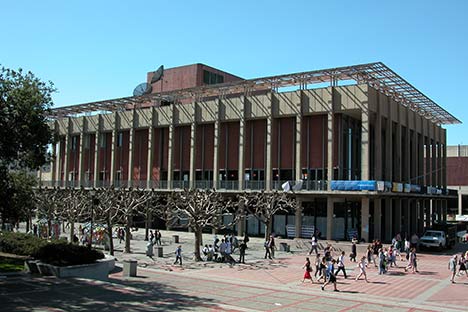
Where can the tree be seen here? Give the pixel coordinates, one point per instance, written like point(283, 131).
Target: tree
point(200, 208)
point(49, 202)
point(129, 203)
point(106, 211)
point(264, 205)
point(22, 197)
point(24, 133)
point(75, 204)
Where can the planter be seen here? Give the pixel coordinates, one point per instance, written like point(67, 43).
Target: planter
point(31, 266)
point(98, 270)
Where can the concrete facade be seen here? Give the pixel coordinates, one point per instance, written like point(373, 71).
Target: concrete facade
point(254, 141)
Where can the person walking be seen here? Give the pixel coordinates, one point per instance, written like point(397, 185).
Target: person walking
point(452, 266)
point(381, 257)
point(242, 248)
point(178, 253)
point(362, 269)
point(267, 249)
point(318, 261)
point(331, 278)
point(157, 236)
point(353, 254)
point(271, 245)
point(462, 265)
point(151, 237)
point(307, 271)
point(314, 245)
point(341, 266)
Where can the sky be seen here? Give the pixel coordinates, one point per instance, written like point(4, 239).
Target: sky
point(96, 50)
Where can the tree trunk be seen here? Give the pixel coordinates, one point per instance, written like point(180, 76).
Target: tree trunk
point(268, 224)
point(72, 230)
point(198, 234)
point(27, 225)
point(109, 232)
point(127, 234)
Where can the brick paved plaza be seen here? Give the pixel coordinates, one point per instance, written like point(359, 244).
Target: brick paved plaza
point(260, 285)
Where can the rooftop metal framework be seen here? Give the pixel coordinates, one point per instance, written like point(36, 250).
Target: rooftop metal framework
point(376, 75)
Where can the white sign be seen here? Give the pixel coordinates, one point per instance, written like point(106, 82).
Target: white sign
point(461, 218)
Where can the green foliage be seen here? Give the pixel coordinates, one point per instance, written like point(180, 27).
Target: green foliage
point(11, 265)
point(24, 133)
point(64, 254)
point(58, 253)
point(20, 244)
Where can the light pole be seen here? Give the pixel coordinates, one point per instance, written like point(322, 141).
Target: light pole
point(93, 198)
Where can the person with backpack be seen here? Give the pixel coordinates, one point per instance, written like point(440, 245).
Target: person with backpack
point(178, 254)
point(331, 278)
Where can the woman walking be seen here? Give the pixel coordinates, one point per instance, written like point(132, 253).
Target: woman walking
point(331, 278)
point(362, 269)
point(317, 266)
point(307, 271)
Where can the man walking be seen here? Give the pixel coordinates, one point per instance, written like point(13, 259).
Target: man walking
point(178, 253)
point(314, 244)
point(452, 266)
point(341, 266)
point(242, 248)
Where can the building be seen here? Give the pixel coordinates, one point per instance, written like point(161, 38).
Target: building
point(457, 179)
point(356, 136)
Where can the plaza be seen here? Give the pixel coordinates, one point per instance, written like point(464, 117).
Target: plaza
point(259, 285)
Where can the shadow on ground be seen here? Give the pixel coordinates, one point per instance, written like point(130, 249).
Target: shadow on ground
point(48, 293)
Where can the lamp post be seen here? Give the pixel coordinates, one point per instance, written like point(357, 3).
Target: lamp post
point(93, 198)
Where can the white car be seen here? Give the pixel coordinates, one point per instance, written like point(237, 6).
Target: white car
point(433, 238)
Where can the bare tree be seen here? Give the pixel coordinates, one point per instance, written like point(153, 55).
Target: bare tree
point(129, 203)
point(200, 208)
point(107, 212)
point(49, 202)
point(264, 205)
point(75, 204)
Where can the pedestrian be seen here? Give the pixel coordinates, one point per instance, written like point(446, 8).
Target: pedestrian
point(157, 236)
point(362, 269)
point(307, 271)
point(178, 254)
point(222, 250)
point(271, 245)
point(452, 266)
point(392, 256)
point(205, 251)
point(369, 253)
point(318, 261)
point(353, 254)
point(242, 248)
point(313, 245)
point(462, 265)
point(151, 236)
point(331, 278)
point(381, 257)
point(323, 270)
point(267, 249)
point(341, 266)
point(375, 252)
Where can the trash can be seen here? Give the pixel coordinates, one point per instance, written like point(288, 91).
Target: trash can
point(130, 268)
point(175, 238)
point(159, 252)
point(149, 249)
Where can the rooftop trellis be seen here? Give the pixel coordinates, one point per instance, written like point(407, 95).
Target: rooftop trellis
point(376, 75)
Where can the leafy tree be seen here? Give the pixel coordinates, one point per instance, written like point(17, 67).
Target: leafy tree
point(22, 197)
point(24, 134)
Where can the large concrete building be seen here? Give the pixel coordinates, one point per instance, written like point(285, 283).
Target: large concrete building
point(457, 179)
point(356, 136)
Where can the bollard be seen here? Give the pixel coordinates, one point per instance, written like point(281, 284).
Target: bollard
point(130, 268)
point(175, 239)
point(159, 252)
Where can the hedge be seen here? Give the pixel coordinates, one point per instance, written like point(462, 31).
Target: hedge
point(58, 253)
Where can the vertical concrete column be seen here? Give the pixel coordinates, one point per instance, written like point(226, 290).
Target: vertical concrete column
point(330, 217)
point(407, 148)
point(329, 149)
point(193, 131)
point(170, 154)
point(460, 207)
point(97, 147)
point(439, 163)
point(216, 153)
point(427, 175)
point(241, 143)
point(427, 209)
point(113, 147)
point(389, 233)
point(434, 163)
point(444, 158)
point(397, 215)
point(378, 140)
point(80, 154)
point(365, 143)
point(55, 164)
point(420, 216)
point(297, 136)
point(444, 210)
point(298, 219)
point(131, 158)
point(150, 151)
point(397, 152)
point(365, 218)
point(66, 160)
point(268, 173)
point(414, 151)
point(378, 218)
point(389, 144)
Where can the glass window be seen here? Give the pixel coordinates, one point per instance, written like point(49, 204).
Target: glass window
point(102, 140)
point(119, 139)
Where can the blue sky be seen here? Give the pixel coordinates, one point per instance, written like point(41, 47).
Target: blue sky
point(94, 50)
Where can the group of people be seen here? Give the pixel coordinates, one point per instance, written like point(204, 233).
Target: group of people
point(328, 267)
point(460, 263)
point(155, 238)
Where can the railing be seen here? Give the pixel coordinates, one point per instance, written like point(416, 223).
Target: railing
point(180, 184)
point(254, 185)
point(320, 185)
point(228, 185)
point(203, 184)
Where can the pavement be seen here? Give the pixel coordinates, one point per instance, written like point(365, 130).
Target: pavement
point(259, 285)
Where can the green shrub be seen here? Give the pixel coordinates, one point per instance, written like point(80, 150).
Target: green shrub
point(64, 254)
point(20, 243)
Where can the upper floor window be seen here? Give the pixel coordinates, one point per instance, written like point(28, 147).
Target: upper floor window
point(74, 143)
point(212, 78)
point(119, 139)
